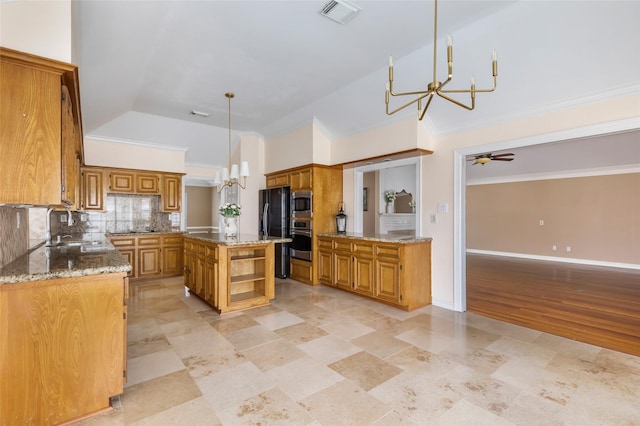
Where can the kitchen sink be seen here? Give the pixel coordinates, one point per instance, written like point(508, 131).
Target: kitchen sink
point(73, 243)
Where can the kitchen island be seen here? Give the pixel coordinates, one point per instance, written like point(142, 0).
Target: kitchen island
point(230, 274)
point(392, 268)
point(63, 332)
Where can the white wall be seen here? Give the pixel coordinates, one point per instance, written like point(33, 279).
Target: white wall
point(42, 28)
point(115, 153)
point(290, 150)
point(438, 168)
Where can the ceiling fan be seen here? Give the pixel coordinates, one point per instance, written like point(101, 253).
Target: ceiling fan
point(485, 158)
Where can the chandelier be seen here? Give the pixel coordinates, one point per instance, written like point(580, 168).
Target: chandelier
point(230, 178)
point(436, 87)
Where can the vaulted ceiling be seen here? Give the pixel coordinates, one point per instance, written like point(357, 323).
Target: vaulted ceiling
point(288, 65)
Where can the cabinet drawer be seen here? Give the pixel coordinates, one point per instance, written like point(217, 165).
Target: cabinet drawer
point(324, 244)
point(388, 251)
point(211, 251)
point(149, 241)
point(123, 242)
point(172, 240)
point(362, 248)
point(343, 245)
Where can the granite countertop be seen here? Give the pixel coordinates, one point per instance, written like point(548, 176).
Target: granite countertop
point(75, 258)
point(241, 239)
point(383, 238)
point(138, 233)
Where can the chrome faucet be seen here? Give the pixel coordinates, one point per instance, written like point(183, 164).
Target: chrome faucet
point(47, 235)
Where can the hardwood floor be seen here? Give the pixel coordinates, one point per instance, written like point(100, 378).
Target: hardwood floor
point(596, 305)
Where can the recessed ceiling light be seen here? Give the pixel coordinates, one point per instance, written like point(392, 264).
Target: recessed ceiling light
point(199, 113)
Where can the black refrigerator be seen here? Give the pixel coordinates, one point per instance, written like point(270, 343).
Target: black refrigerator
point(273, 215)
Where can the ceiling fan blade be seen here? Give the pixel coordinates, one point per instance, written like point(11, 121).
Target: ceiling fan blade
point(501, 155)
point(502, 159)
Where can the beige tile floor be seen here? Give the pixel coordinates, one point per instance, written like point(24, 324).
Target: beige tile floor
point(320, 356)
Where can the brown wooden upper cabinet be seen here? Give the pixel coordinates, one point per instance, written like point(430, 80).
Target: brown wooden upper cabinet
point(98, 181)
point(133, 182)
point(41, 132)
point(297, 179)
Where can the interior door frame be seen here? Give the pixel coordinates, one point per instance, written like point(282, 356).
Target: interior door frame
point(460, 188)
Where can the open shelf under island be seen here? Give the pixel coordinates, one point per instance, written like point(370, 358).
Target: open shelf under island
point(230, 274)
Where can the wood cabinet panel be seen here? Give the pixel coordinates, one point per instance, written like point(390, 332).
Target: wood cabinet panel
point(230, 278)
point(342, 270)
point(64, 356)
point(388, 279)
point(122, 181)
point(93, 191)
point(301, 179)
point(325, 269)
point(148, 262)
point(363, 274)
point(171, 193)
point(301, 270)
point(147, 183)
point(276, 180)
point(395, 273)
point(71, 153)
point(172, 261)
point(159, 255)
point(30, 135)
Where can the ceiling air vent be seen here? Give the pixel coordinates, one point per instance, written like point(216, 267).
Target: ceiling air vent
point(340, 11)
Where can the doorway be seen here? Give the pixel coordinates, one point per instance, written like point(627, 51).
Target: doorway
point(460, 181)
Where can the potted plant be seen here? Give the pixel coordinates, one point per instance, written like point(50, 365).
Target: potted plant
point(389, 198)
point(230, 213)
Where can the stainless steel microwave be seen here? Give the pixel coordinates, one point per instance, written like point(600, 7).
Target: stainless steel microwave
point(302, 204)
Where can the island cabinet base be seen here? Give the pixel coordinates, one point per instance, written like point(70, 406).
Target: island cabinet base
point(62, 348)
point(395, 273)
point(230, 277)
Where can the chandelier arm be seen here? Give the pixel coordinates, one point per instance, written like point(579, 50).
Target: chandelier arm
point(424, 111)
point(419, 98)
point(460, 104)
point(421, 92)
point(470, 91)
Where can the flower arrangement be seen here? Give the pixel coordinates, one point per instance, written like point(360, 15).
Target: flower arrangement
point(389, 196)
point(230, 210)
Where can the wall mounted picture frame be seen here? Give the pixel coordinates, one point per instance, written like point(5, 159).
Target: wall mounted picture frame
point(365, 199)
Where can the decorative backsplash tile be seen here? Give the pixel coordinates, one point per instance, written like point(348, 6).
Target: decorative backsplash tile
point(14, 233)
point(125, 213)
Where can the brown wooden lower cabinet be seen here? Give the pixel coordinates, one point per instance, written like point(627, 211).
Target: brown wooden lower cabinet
point(151, 256)
point(396, 273)
point(62, 347)
point(229, 277)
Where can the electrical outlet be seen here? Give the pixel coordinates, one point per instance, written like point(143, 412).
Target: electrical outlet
point(63, 218)
point(541, 222)
point(433, 218)
point(554, 247)
point(18, 220)
point(568, 249)
point(83, 217)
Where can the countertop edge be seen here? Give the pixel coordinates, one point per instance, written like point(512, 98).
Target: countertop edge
point(382, 238)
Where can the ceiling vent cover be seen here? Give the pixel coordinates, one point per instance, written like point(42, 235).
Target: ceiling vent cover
point(340, 11)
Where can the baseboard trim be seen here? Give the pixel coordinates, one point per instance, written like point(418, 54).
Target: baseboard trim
point(557, 259)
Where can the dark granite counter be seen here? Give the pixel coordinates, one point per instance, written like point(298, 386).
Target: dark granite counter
point(240, 240)
point(383, 238)
point(141, 233)
point(73, 258)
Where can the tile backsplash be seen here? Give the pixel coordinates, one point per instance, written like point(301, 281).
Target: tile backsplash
point(125, 213)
